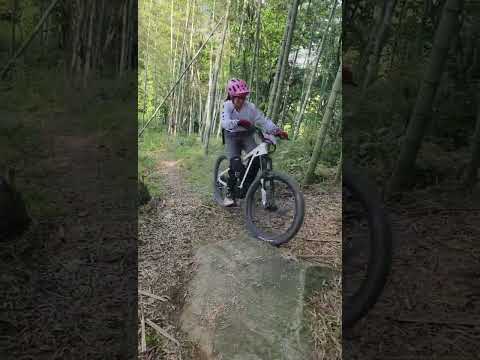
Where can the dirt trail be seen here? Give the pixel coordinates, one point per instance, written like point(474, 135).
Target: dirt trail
point(431, 300)
point(169, 230)
point(86, 231)
point(172, 227)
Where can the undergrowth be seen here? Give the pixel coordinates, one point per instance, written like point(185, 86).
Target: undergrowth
point(149, 147)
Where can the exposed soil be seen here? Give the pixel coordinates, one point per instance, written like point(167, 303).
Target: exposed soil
point(430, 305)
point(65, 283)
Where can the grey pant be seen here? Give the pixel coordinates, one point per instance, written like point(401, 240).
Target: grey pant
point(234, 144)
point(238, 141)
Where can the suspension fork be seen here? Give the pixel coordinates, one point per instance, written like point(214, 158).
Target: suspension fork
point(268, 188)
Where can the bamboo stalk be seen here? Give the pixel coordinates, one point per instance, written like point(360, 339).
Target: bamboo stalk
point(181, 76)
point(29, 39)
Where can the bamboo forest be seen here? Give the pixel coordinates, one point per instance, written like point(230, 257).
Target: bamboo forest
point(239, 179)
point(412, 124)
point(67, 109)
point(287, 53)
point(191, 248)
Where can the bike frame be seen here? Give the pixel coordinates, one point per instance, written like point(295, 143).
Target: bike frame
point(260, 150)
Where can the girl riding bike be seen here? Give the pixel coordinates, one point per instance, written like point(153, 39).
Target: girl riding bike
point(239, 119)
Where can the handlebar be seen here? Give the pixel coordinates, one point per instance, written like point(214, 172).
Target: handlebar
point(259, 131)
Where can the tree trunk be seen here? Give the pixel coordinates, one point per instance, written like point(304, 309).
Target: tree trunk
point(123, 51)
point(180, 119)
point(219, 104)
point(191, 97)
point(310, 45)
point(420, 32)
point(14, 24)
point(322, 132)
point(89, 50)
point(132, 36)
point(155, 67)
point(397, 38)
point(210, 83)
point(447, 29)
point(287, 90)
point(210, 88)
point(471, 177)
point(274, 86)
point(172, 70)
point(257, 47)
point(215, 113)
point(200, 115)
point(304, 100)
point(377, 16)
point(251, 50)
point(42, 31)
point(291, 28)
point(175, 95)
point(155, 82)
point(240, 34)
point(98, 48)
point(146, 64)
point(199, 103)
point(219, 110)
point(338, 173)
point(374, 54)
point(190, 120)
point(323, 93)
point(171, 44)
point(209, 115)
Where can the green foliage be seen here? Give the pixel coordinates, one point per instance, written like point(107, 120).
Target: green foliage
point(152, 339)
point(293, 157)
point(149, 148)
point(395, 97)
point(198, 167)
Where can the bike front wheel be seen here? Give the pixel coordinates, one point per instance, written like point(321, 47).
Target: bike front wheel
point(275, 208)
point(366, 246)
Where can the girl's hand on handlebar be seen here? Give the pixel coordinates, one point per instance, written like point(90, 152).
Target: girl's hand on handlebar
point(244, 123)
point(281, 134)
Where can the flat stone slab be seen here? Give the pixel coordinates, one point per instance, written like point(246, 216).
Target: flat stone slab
point(246, 302)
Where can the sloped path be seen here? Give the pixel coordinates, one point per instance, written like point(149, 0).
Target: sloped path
point(173, 227)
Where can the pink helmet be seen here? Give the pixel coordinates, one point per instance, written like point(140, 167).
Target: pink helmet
point(237, 87)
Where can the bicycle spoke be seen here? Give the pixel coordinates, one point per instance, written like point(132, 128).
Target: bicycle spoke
point(274, 216)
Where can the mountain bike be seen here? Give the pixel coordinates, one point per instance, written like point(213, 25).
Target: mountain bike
point(274, 204)
point(367, 246)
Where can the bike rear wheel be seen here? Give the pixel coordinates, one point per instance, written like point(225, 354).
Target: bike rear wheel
point(366, 246)
point(275, 208)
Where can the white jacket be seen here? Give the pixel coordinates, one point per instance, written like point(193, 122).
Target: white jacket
point(230, 117)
